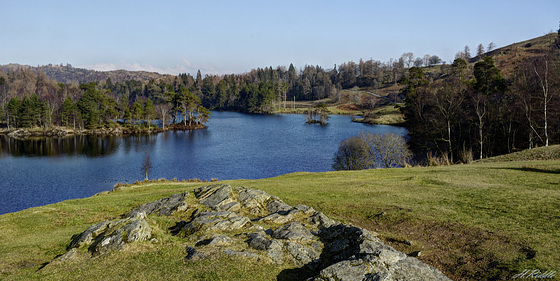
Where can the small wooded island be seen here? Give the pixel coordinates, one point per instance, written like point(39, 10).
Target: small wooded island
point(317, 115)
point(98, 112)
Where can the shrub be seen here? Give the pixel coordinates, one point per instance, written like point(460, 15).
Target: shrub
point(352, 154)
point(437, 160)
point(466, 156)
point(369, 150)
point(387, 150)
point(118, 185)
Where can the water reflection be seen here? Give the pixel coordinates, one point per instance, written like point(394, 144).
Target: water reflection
point(234, 146)
point(90, 146)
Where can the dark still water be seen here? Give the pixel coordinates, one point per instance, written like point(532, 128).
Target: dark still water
point(235, 146)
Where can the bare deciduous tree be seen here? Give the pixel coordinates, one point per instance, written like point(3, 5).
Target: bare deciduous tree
point(426, 59)
point(467, 52)
point(408, 59)
point(542, 69)
point(434, 60)
point(369, 150)
point(352, 154)
point(386, 150)
point(418, 62)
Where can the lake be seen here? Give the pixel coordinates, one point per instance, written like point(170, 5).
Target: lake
point(234, 146)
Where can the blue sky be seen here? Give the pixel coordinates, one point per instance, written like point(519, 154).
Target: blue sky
point(222, 37)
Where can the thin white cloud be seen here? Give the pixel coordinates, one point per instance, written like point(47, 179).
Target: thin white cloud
point(185, 67)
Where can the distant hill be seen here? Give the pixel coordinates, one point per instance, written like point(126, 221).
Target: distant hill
point(69, 74)
point(506, 58)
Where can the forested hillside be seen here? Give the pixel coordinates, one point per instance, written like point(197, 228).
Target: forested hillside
point(262, 90)
point(497, 101)
point(68, 74)
point(503, 101)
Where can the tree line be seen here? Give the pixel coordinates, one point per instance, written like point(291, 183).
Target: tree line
point(97, 107)
point(456, 109)
point(29, 99)
point(473, 112)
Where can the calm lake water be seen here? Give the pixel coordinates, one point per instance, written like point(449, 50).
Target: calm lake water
point(235, 146)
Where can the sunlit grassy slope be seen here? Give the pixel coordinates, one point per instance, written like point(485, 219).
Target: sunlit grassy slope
point(481, 221)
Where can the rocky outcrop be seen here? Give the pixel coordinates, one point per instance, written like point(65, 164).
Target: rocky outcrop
point(217, 197)
point(163, 207)
point(27, 133)
point(24, 133)
point(112, 235)
point(256, 226)
point(353, 253)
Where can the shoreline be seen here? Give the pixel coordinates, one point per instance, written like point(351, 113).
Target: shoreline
point(59, 131)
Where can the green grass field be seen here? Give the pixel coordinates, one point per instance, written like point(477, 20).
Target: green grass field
point(482, 221)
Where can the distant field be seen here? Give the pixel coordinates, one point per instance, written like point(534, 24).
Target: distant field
point(352, 103)
point(482, 221)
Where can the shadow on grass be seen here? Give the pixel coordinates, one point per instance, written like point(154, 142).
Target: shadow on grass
point(535, 170)
point(302, 273)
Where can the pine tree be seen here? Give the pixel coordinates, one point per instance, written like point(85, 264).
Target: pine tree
point(12, 112)
point(68, 109)
point(149, 111)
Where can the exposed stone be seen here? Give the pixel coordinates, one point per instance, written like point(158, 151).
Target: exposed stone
point(86, 237)
point(68, 256)
point(300, 254)
point(305, 209)
point(273, 247)
point(219, 240)
point(319, 220)
point(112, 235)
point(406, 269)
point(125, 231)
point(193, 254)
point(242, 254)
point(305, 238)
point(413, 269)
point(348, 270)
point(277, 218)
point(344, 242)
point(253, 200)
point(294, 232)
point(258, 241)
point(27, 133)
point(164, 207)
point(210, 221)
point(218, 197)
point(275, 205)
point(230, 207)
point(275, 251)
point(353, 253)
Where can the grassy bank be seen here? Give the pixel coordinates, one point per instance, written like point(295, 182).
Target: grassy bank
point(384, 113)
point(481, 221)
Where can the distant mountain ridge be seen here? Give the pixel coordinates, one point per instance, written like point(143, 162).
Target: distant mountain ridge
point(505, 57)
point(68, 74)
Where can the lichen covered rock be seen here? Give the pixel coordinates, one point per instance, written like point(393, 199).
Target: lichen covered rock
point(112, 235)
point(163, 207)
point(254, 225)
